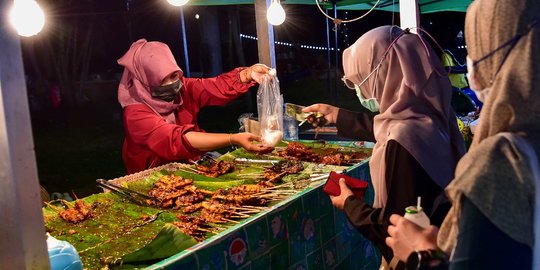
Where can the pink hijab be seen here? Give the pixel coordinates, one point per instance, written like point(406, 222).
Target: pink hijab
point(414, 94)
point(147, 64)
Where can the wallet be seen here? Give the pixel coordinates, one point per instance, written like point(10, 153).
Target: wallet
point(357, 186)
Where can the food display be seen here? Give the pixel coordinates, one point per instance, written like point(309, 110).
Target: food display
point(189, 203)
point(78, 213)
point(214, 168)
point(329, 156)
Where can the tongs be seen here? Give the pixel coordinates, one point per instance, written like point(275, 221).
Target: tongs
point(127, 193)
point(257, 161)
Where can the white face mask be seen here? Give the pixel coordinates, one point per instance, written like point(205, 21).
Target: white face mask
point(481, 94)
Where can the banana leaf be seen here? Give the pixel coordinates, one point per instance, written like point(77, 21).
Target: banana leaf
point(169, 241)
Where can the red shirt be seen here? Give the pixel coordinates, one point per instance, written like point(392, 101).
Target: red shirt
point(150, 141)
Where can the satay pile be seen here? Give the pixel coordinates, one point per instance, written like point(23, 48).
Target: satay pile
point(298, 151)
point(78, 213)
point(213, 168)
point(193, 226)
point(226, 206)
point(176, 191)
point(275, 173)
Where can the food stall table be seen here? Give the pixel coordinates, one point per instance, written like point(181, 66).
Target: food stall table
point(303, 232)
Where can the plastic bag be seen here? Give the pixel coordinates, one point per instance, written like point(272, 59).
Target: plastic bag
point(270, 109)
point(249, 123)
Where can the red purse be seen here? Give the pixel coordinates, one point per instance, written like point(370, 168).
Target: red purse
point(357, 186)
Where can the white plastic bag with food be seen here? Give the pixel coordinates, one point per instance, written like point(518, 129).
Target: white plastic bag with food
point(270, 110)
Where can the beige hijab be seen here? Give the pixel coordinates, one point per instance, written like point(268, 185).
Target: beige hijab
point(494, 174)
point(414, 94)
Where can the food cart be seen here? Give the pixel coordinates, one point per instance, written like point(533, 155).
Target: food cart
point(302, 231)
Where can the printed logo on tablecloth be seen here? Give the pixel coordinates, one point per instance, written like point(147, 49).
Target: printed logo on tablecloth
point(329, 257)
point(237, 251)
point(279, 230)
point(308, 228)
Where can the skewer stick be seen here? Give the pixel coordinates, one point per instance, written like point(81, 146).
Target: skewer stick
point(280, 186)
point(251, 173)
point(56, 209)
point(238, 215)
point(230, 220)
point(74, 195)
point(251, 207)
point(189, 171)
point(204, 230)
point(247, 213)
point(282, 191)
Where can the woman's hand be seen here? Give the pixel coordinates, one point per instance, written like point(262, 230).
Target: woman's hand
point(330, 112)
point(254, 73)
point(346, 192)
point(250, 142)
point(406, 237)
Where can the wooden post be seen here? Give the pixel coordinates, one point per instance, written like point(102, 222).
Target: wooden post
point(409, 14)
point(265, 34)
point(22, 229)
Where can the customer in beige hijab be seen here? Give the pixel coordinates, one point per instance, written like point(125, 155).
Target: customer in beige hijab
point(490, 225)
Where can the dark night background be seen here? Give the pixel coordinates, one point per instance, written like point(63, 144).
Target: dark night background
point(80, 139)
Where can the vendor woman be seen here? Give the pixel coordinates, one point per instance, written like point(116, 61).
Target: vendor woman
point(161, 107)
point(406, 94)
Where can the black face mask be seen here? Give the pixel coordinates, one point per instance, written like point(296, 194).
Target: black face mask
point(167, 92)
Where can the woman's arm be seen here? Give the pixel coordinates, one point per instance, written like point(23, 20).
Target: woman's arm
point(356, 125)
point(480, 244)
point(203, 141)
point(405, 181)
point(222, 89)
point(353, 125)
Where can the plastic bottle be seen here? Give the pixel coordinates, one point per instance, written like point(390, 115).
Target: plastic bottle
point(417, 215)
point(62, 255)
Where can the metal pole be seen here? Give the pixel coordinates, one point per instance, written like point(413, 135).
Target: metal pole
point(409, 14)
point(184, 40)
point(22, 229)
point(265, 34)
point(336, 49)
point(329, 56)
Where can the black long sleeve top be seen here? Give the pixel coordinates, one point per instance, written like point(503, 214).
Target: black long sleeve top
point(405, 181)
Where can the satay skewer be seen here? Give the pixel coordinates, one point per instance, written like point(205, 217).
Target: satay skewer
point(280, 186)
point(230, 220)
point(54, 208)
point(205, 230)
point(251, 207)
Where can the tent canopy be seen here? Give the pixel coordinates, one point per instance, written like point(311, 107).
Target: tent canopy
point(426, 6)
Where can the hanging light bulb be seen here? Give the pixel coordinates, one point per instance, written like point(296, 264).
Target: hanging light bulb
point(178, 3)
point(27, 17)
point(275, 14)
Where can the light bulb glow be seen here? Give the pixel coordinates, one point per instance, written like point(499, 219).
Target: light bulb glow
point(177, 3)
point(275, 14)
point(27, 17)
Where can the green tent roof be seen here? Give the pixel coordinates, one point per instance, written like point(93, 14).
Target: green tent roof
point(426, 6)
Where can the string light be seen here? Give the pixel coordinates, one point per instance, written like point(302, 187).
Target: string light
point(310, 47)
